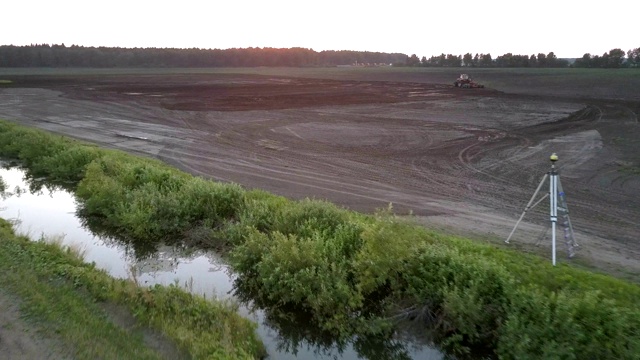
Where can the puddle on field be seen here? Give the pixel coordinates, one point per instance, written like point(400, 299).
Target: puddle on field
point(52, 213)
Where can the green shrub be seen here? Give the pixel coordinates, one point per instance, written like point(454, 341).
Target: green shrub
point(69, 164)
point(475, 305)
point(11, 139)
point(27, 145)
point(567, 326)
point(311, 273)
point(147, 214)
point(307, 217)
point(101, 195)
point(209, 202)
point(260, 208)
point(386, 244)
point(149, 203)
point(136, 174)
point(61, 160)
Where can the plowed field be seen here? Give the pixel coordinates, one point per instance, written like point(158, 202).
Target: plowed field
point(462, 160)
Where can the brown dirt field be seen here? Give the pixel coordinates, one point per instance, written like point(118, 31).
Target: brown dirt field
point(465, 161)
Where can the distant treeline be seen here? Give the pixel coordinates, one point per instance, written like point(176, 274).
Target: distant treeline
point(615, 58)
point(45, 55)
point(486, 60)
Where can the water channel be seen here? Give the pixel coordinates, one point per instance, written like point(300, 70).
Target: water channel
point(50, 212)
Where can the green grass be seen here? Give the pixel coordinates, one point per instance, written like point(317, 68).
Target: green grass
point(55, 305)
point(350, 272)
point(65, 298)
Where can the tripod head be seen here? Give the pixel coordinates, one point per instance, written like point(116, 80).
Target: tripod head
point(553, 159)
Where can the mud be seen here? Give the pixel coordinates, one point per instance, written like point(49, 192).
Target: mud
point(465, 161)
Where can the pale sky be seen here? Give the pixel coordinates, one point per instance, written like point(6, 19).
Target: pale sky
point(569, 28)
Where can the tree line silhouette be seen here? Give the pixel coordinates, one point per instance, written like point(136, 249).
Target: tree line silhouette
point(486, 60)
point(615, 58)
point(45, 55)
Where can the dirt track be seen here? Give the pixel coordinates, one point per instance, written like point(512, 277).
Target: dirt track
point(462, 160)
point(20, 340)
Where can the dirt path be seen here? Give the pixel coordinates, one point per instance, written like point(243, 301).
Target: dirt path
point(19, 340)
point(464, 161)
point(31, 339)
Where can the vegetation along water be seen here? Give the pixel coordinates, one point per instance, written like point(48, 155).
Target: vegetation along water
point(350, 274)
point(74, 301)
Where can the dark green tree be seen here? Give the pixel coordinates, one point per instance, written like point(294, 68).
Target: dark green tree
point(633, 57)
point(615, 58)
point(467, 60)
point(486, 60)
point(453, 60)
point(584, 61)
point(551, 59)
point(413, 60)
point(542, 60)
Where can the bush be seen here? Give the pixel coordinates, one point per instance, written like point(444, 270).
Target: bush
point(311, 273)
point(150, 203)
point(566, 326)
point(27, 145)
point(100, 195)
point(68, 164)
point(307, 217)
point(209, 202)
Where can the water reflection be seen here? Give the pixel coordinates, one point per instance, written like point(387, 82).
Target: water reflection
point(44, 209)
point(295, 333)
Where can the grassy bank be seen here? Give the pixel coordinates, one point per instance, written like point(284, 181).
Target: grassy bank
point(353, 273)
point(67, 299)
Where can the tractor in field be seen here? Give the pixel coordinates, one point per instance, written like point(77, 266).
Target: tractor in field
point(464, 81)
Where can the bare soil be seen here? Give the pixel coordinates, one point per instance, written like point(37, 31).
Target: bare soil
point(19, 340)
point(465, 161)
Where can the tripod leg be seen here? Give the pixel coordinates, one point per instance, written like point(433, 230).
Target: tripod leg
point(565, 208)
point(528, 207)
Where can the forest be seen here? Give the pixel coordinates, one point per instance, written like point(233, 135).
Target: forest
point(615, 58)
point(45, 55)
point(79, 56)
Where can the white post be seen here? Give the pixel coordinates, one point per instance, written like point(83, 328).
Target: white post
point(553, 193)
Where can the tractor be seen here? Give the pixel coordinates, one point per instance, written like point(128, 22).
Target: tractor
point(464, 81)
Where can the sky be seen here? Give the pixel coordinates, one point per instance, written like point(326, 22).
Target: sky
point(569, 28)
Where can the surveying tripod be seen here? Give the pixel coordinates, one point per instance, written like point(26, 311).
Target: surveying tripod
point(558, 205)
